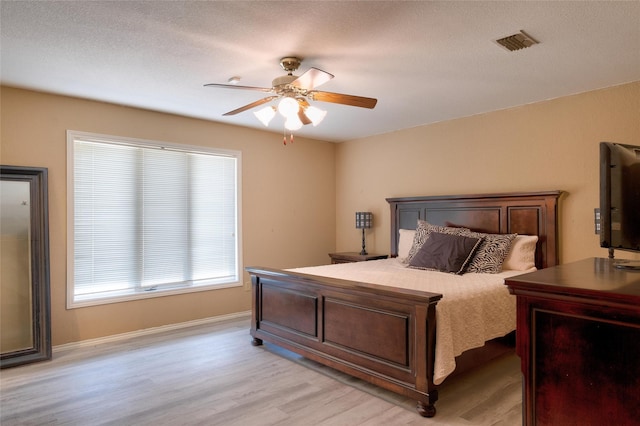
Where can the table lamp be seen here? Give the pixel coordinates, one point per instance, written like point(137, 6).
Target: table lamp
point(364, 220)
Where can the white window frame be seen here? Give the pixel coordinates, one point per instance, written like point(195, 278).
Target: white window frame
point(72, 135)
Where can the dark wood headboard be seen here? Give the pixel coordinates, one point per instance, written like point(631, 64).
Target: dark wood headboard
point(528, 213)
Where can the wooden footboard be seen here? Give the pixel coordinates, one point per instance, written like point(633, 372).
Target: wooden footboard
point(383, 336)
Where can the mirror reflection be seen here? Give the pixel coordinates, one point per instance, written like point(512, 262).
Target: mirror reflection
point(16, 298)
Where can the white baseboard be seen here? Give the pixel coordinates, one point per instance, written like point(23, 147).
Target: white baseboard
point(147, 331)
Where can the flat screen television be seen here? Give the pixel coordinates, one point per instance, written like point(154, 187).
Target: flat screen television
point(620, 200)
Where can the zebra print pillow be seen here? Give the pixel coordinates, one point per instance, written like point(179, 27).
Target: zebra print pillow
point(492, 252)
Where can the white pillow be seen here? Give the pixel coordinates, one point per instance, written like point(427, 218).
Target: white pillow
point(405, 243)
point(522, 255)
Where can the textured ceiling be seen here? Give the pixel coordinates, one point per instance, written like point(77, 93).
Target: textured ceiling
point(424, 61)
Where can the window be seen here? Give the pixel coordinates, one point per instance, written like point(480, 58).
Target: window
point(149, 219)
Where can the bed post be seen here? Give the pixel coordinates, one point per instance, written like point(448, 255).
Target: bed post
point(425, 351)
point(255, 314)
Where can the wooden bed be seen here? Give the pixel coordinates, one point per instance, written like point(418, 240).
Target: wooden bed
point(380, 334)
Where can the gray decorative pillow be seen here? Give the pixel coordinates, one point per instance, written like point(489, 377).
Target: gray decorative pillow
point(422, 234)
point(492, 252)
point(445, 253)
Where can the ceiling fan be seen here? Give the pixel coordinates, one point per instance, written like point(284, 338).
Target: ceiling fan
point(294, 93)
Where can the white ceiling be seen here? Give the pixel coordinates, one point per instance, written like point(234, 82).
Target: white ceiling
point(424, 61)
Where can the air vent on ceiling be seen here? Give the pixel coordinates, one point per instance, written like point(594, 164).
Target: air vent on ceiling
point(516, 41)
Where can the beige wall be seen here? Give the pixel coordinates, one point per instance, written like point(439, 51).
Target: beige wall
point(284, 190)
point(544, 146)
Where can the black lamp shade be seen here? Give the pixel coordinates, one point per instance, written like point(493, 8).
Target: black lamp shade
point(364, 220)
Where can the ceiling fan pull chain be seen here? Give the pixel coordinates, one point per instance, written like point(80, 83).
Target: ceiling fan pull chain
point(284, 137)
point(291, 139)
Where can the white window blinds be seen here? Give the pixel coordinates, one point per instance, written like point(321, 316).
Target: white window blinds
point(151, 218)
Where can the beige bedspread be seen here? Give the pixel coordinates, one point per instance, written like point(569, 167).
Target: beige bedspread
point(474, 307)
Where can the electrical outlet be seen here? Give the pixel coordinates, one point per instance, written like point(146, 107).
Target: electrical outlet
point(247, 286)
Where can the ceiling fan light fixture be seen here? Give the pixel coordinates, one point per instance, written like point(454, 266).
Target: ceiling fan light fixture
point(292, 123)
point(266, 114)
point(288, 107)
point(316, 115)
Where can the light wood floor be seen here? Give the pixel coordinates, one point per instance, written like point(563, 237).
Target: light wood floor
point(211, 375)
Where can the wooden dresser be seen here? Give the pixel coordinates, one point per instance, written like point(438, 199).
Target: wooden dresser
point(578, 337)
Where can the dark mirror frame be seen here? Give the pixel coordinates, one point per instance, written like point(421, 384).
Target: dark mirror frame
point(41, 309)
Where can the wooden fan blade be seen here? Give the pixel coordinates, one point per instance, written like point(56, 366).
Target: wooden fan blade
point(233, 86)
point(312, 78)
point(301, 115)
point(303, 102)
point(339, 98)
point(251, 105)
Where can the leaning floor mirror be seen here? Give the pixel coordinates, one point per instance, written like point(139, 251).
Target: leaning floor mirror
point(25, 329)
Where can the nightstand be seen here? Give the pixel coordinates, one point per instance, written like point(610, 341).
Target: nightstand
point(352, 256)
